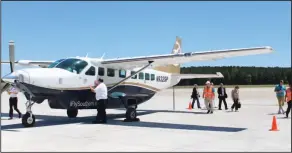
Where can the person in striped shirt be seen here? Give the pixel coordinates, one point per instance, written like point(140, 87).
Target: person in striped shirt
point(235, 98)
point(13, 102)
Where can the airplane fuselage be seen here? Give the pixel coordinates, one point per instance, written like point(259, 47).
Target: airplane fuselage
point(66, 84)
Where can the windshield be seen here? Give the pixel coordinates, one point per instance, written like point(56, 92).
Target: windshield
point(55, 63)
point(72, 65)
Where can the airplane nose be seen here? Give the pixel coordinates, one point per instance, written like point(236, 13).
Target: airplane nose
point(15, 76)
point(10, 78)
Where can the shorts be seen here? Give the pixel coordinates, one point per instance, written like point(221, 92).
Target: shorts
point(281, 100)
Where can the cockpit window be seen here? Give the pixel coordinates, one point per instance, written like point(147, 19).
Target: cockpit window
point(55, 63)
point(72, 65)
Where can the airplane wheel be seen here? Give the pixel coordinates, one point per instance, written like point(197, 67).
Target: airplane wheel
point(28, 121)
point(131, 114)
point(72, 113)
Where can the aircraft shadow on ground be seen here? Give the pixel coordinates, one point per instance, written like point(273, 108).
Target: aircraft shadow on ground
point(46, 120)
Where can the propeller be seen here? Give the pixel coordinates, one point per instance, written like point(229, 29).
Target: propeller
point(4, 85)
point(11, 55)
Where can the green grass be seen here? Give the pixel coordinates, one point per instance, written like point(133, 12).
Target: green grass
point(232, 86)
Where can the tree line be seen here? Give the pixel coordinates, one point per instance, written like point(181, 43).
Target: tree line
point(237, 75)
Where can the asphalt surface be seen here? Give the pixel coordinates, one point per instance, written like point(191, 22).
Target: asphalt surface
point(160, 128)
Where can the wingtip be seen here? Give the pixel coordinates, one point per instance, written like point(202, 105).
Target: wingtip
point(269, 48)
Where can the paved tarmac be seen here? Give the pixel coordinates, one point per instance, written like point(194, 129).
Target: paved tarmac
point(160, 129)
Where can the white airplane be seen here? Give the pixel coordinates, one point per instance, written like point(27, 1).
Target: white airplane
point(130, 81)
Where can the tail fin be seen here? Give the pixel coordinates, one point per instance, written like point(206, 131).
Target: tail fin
point(172, 68)
point(177, 46)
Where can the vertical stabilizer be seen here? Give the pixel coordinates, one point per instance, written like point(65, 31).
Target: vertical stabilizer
point(172, 68)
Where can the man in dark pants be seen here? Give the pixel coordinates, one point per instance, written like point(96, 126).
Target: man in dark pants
point(235, 98)
point(101, 97)
point(13, 102)
point(222, 96)
point(195, 96)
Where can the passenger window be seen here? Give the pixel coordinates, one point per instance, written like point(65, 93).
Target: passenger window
point(152, 77)
point(135, 76)
point(141, 76)
point(91, 71)
point(110, 72)
point(122, 73)
point(100, 71)
point(147, 76)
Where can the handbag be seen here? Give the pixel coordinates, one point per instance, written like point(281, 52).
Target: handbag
point(239, 105)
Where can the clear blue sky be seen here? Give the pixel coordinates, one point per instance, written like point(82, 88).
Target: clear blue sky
point(54, 30)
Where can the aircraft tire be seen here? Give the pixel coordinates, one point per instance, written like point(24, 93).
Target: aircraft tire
point(28, 121)
point(131, 114)
point(72, 113)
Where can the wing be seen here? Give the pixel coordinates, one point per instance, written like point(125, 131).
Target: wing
point(180, 58)
point(30, 63)
point(193, 76)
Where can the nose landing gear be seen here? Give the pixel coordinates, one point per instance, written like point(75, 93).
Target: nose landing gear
point(28, 119)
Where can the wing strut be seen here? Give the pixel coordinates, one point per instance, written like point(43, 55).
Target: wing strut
point(149, 63)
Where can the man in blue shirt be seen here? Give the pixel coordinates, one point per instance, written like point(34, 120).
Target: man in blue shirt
point(280, 90)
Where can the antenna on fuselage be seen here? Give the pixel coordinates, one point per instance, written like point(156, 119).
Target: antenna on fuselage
point(102, 56)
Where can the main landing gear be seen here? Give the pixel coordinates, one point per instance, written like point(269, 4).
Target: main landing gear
point(28, 119)
point(72, 112)
point(131, 115)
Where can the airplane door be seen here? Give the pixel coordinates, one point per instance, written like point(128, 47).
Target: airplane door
point(90, 76)
point(147, 78)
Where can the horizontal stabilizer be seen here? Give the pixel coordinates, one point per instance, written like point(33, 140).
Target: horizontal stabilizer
point(193, 76)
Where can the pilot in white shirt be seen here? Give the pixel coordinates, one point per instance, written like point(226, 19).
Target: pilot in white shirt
point(101, 96)
point(13, 102)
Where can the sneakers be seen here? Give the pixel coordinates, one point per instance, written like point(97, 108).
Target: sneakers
point(210, 112)
point(281, 112)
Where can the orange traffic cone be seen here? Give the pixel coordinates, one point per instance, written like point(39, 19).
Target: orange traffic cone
point(190, 106)
point(274, 125)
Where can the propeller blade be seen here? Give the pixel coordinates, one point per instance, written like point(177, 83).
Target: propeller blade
point(4, 86)
point(11, 55)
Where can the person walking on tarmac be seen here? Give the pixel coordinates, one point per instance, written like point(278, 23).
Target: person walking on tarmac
point(222, 96)
point(195, 96)
point(13, 100)
point(208, 96)
point(280, 93)
point(213, 90)
point(101, 96)
point(235, 98)
point(289, 99)
point(213, 100)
